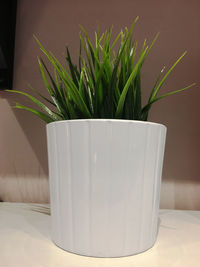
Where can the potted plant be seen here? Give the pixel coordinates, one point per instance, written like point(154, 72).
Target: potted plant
point(105, 159)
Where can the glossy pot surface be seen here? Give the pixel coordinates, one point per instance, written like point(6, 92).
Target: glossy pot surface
point(105, 178)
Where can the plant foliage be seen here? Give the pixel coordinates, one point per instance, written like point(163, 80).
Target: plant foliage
point(105, 84)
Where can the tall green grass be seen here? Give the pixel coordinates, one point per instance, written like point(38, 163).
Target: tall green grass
point(106, 82)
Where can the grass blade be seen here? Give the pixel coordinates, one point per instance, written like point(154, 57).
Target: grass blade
point(166, 75)
point(147, 107)
point(67, 81)
point(38, 103)
point(39, 114)
point(172, 93)
point(126, 87)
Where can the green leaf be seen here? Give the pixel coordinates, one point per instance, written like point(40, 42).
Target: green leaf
point(38, 103)
point(166, 75)
point(43, 97)
point(152, 44)
point(82, 44)
point(67, 81)
point(94, 57)
point(138, 97)
point(147, 107)
point(72, 68)
point(172, 93)
point(39, 114)
point(156, 83)
point(126, 87)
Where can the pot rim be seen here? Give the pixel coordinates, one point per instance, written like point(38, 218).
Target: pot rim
point(106, 120)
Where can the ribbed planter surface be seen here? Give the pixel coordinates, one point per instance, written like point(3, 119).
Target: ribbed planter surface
point(105, 178)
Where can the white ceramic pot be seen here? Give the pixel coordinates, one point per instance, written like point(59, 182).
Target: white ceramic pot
point(105, 178)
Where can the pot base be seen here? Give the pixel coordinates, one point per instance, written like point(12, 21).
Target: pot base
point(106, 256)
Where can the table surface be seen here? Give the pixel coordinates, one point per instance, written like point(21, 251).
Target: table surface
point(25, 241)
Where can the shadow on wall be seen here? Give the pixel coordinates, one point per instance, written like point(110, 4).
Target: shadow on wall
point(33, 129)
point(23, 157)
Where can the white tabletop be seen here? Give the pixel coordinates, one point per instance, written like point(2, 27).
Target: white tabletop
point(25, 241)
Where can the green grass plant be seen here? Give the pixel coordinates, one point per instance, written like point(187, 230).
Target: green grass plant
point(106, 82)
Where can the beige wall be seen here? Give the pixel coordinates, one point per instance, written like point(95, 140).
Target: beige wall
point(23, 153)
